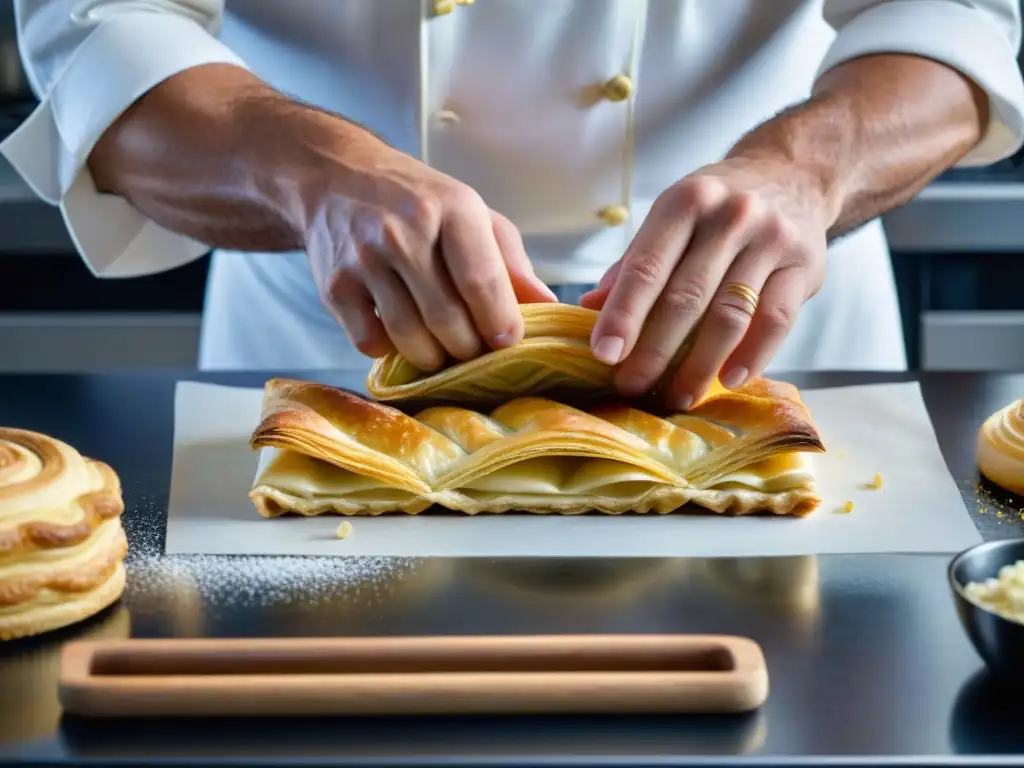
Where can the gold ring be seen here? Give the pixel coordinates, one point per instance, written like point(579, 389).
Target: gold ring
point(743, 293)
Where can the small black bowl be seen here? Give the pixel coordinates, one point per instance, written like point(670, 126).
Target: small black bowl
point(999, 641)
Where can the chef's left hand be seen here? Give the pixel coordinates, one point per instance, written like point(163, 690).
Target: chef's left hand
point(758, 222)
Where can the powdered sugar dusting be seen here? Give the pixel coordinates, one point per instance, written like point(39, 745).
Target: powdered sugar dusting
point(228, 580)
point(232, 580)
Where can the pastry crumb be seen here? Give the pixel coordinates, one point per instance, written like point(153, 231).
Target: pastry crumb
point(846, 509)
point(344, 530)
point(875, 484)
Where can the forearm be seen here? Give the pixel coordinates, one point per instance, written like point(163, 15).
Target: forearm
point(874, 133)
point(216, 154)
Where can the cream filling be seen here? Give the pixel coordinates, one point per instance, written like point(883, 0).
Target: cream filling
point(562, 476)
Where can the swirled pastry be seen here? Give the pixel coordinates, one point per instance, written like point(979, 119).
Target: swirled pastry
point(62, 546)
point(1001, 447)
point(326, 450)
point(554, 354)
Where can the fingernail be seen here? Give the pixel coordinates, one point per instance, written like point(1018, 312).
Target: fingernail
point(609, 349)
point(682, 402)
point(734, 377)
point(503, 340)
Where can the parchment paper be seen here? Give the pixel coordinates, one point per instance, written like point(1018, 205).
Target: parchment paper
point(866, 429)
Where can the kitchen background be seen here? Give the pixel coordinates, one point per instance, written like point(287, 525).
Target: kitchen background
point(957, 251)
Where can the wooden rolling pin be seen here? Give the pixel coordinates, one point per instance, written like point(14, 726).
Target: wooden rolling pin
point(563, 674)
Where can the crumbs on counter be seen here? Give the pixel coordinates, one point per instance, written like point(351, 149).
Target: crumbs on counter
point(344, 530)
point(846, 509)
point(988, 503)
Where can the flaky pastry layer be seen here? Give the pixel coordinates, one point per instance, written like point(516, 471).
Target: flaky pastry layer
point(554, 354)
point(327, 450)
point(61, 540)
point(50, 495)
point(73, 607)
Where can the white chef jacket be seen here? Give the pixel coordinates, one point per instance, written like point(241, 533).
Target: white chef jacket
point(507, 96)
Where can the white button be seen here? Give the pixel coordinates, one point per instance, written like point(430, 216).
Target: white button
point(617, 88)
point(614, 215)
point(447, 116)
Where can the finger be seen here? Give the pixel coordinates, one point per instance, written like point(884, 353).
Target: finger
point(352, 306)
point(646, 267)
point(783, 295)
point(401, 319)
point(527, 286)
point(645, 270)
point(719, 238)
point(478, 271)
point(440, 306)
point(722, 328)
point(596, 298)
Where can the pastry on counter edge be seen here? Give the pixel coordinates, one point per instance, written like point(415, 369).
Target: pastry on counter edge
point(1000, 448)
point(62, 546)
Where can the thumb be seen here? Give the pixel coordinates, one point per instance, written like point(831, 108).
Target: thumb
point(528, 287)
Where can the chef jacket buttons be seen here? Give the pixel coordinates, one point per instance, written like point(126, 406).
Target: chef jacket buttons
point(614, 215)
point(447, 116)
point(618, 88)
point(443, 7)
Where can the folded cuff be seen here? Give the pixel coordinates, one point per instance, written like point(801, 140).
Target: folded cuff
point(121, 60)
point(964, 38)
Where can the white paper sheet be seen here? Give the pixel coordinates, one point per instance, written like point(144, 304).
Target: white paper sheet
point(866, 429)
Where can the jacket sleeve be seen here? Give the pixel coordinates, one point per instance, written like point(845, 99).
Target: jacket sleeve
point(979, 38)
point(87, 62)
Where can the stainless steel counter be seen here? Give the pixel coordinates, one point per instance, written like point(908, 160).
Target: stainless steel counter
point(868, 663)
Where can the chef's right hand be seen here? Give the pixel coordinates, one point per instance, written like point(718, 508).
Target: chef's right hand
point(410, 259)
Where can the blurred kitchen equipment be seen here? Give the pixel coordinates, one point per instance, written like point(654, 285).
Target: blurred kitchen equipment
point(999, 641)
point(566, 674)
point(14, 85)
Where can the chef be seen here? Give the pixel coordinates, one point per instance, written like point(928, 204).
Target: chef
point(398, 174)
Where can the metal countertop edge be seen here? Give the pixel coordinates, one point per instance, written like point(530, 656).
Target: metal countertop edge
point(547, 761)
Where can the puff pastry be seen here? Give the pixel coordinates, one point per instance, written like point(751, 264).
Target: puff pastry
point(62, 546)
point(554, 355)
point(1001, 447)
point(323, 449)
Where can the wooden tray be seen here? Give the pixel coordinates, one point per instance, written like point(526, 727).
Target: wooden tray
point(564, 674)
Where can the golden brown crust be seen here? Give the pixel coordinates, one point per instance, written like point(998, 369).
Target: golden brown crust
point(736, 452)
point(1000, 447)
point(77, 607)
point(84, 575)
point(61, 540)
point(554, 355)
point(439, 453)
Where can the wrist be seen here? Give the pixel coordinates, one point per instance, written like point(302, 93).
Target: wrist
point(811, 145)
point(297, 157)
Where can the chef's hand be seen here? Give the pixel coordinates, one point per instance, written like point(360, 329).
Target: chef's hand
point(408, 258)
point(733, 251)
